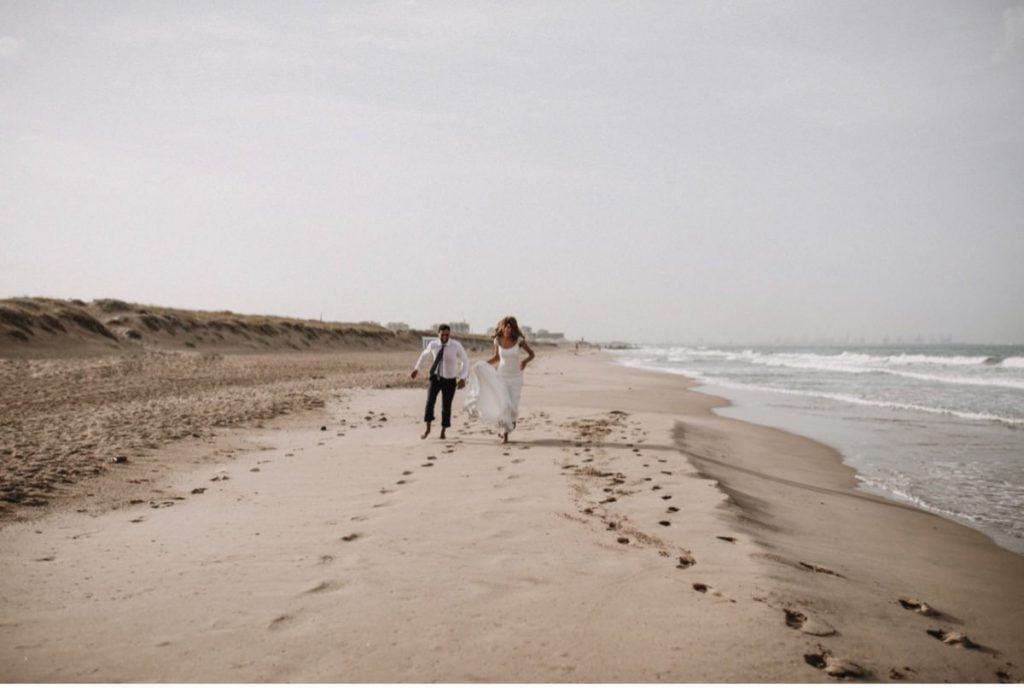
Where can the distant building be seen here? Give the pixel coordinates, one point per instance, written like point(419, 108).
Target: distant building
point(457, 327)
point(544, 334)
point(398, 326)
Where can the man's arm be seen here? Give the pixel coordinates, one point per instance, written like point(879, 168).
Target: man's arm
point(419, 361)
point(463, 363)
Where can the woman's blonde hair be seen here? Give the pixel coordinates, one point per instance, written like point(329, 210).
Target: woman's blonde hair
point(517, 334)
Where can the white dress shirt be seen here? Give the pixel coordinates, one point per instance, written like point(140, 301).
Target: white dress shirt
point(455, 363)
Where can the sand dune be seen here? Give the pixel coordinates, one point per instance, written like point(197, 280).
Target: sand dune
point(36, 327)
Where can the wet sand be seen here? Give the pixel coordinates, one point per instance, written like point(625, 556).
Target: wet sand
point(625, 534)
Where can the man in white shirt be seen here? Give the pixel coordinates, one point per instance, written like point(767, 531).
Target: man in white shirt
point(449, 370)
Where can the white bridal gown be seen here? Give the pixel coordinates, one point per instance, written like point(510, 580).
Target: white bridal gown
point(493, 395)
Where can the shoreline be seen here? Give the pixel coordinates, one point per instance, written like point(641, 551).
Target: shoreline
point(893, 457)
point(627, 533)
point(745, 407)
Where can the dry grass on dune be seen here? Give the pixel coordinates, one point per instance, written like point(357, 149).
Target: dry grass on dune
point(48, 327)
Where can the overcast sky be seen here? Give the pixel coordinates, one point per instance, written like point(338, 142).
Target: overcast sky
point(647, 171)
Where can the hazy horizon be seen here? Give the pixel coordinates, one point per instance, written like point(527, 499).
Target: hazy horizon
point(643, 172)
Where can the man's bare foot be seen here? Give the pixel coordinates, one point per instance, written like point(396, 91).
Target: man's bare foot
point(426, 432)
point(442, 433)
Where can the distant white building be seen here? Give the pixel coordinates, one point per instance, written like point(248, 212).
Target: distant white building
point(457, 327)
point(398, 326)
point(544, 334)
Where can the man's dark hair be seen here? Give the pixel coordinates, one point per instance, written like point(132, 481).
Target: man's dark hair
point(443, 327)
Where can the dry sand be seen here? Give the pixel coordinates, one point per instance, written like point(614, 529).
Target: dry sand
point(625, 534)
point(67, 419)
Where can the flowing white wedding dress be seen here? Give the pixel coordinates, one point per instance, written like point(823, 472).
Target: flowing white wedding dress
point(493, 395)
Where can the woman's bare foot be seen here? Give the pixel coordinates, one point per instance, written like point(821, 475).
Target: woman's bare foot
point(504, 438)
point(427, 432)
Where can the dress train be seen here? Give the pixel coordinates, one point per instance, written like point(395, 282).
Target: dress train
point(488, 397)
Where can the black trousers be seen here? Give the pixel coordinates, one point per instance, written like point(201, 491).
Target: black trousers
point(446, 386)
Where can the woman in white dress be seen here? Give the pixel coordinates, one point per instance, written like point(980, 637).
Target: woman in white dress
point(493, 394)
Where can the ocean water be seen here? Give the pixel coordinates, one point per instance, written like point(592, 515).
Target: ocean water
point(941, 427)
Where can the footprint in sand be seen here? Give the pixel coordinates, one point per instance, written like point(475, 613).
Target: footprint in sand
point(836, 667)
point(666, 497)
point(686, 561)
point(925, 609)
point(672, 509)
point(958, 639)
point(820, 569)
point(325, 559)
point(898, 674)
point(406, 472)
point(804, 624)
point(350, 537)
point(281, 622)
point(665, 523)
point(321, 587)
point(726, 538)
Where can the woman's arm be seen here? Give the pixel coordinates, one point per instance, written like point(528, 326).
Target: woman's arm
point(526, 347)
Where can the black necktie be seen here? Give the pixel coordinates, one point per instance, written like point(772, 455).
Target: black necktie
point(435, 370)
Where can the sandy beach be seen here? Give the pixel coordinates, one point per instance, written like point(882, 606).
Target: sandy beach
point(626, 534)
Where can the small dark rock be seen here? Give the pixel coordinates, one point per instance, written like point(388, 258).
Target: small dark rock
point(119, 459)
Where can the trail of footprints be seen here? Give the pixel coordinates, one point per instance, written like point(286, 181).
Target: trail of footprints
point(373, 421)
point(593, 440)
point(838, 667)
point(286, 620)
